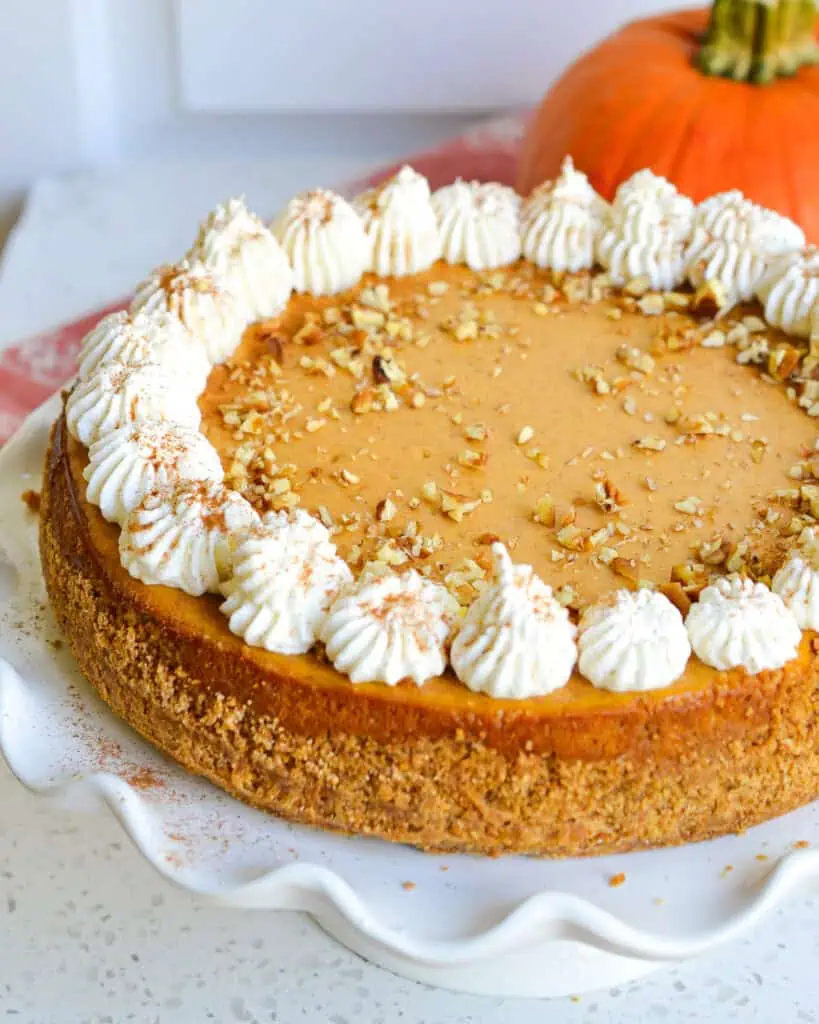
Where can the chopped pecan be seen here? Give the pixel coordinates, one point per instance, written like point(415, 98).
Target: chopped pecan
point(544, 511)
point(274, 341)
point(627, 568)
point(709, 299)
point(677, 596)
point(783, 360)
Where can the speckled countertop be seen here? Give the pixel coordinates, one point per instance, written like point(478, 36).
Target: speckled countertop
point(89, 933)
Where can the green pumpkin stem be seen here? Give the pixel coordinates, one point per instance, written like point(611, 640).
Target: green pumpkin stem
point(759, 40)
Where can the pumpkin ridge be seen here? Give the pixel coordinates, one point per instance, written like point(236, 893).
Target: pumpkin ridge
point(680, 91)
point(631, 160)
point(688, 130)
point(619, 156)
point(786, 174)
point(608, 60)
point(691, 22)
point(668, 52)
point(723, 147)
point(785, 171)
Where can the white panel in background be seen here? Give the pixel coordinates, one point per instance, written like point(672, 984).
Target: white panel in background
point(375, 55)
point(40, 105)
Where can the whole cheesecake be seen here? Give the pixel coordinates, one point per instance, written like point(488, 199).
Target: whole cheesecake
point(461, 520)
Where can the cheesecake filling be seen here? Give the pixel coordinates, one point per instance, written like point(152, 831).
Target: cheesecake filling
point(366, 432)
point(644, 460)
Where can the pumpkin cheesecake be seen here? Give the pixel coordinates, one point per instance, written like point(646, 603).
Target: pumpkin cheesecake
point(464, 520)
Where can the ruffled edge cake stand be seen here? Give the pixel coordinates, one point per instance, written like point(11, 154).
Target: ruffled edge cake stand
point(511, 926)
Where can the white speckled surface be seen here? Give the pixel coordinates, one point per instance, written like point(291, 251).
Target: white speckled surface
point(82, 910)
point(89, 933)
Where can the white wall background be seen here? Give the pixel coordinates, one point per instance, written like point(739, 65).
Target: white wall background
point(91, 82)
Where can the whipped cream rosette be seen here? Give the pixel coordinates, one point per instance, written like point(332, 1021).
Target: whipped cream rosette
point(201, 299)
point(386, 628)
point(516, 641)
point(245, 255)
point(561, 222)
point(184, 535)
point(646, 232)
point(738, 623)
point(285, 575)
point(734, 242)
point(400, 224)
point(325, 242)
point(139, 338)
point(479, 224)
point(128, 463)
point(116, 394)
point(632, 641)
point(789, 291)
point(797, 580)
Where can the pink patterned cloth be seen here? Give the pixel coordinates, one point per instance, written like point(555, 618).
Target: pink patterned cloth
point(33, 369)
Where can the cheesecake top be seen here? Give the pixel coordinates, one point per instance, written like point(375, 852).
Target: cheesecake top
point(437, 456)
point(425, 419)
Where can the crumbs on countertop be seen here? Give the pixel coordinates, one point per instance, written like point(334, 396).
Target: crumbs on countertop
point(31, 499)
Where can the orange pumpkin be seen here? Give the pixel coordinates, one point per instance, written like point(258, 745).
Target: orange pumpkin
point(650, 96)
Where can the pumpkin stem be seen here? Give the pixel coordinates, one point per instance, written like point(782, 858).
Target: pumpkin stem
point(759, 40)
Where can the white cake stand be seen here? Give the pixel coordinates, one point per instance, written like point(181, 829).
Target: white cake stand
point(511, 926)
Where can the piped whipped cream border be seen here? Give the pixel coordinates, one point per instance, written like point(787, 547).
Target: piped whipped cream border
point(650, 232)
